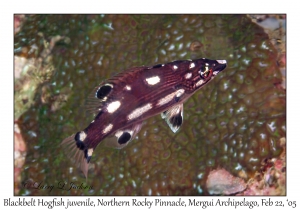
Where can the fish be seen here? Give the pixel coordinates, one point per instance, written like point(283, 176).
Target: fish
point(121, 104)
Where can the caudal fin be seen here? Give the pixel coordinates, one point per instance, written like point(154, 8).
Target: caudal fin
point(77, 152)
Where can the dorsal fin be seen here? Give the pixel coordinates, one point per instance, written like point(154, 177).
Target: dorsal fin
point(104, 92)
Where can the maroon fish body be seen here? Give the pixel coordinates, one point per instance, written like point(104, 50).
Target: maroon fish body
point(124, 101)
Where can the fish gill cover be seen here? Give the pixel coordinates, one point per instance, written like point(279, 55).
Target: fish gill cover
point(235, 122)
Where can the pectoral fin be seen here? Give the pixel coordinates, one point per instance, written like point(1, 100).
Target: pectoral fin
point(174, 117)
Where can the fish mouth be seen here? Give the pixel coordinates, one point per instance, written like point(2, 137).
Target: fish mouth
point(220, 66)
point(222, 61)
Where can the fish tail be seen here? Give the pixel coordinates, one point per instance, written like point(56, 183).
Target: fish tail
point(78, 151)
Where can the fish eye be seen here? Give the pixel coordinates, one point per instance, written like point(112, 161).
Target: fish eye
point(205, 72)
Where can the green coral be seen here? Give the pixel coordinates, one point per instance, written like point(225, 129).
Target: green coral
point(234, 122)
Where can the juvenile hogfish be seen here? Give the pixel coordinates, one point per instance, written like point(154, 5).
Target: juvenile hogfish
point(123, 102)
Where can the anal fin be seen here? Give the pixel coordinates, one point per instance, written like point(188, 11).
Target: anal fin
point(123, 136)
point(174, 117)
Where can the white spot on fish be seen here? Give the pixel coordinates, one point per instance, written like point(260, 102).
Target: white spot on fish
point(166, 99)
point(82, 135)
point(139, 111)
point(127, 87)
point(107, 128)
point(188, 75)
point(175, 67)
point(179, 92)
point(153, 80)
point(90, 152)
point(170, 97)
point(200, 82)
point(113, 106)
point(192, 65)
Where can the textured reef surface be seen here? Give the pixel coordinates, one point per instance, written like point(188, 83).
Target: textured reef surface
point(235, 122)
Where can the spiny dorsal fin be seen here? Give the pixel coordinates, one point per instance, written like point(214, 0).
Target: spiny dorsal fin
point(104, 92)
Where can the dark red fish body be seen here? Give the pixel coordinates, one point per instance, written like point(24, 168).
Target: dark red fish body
point(124, 101)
